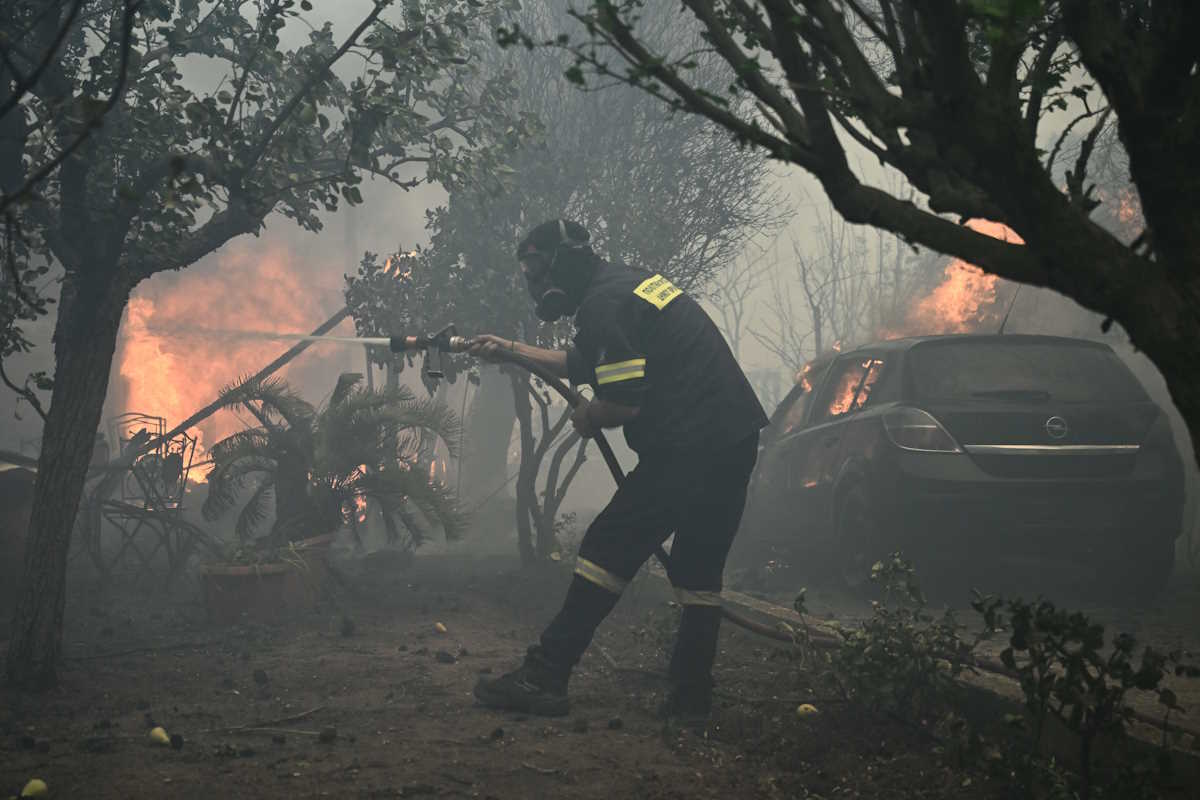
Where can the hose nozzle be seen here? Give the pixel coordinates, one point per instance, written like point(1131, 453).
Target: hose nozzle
point(433, 345)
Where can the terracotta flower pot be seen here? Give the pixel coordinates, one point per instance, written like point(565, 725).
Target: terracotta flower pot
point(269, 591)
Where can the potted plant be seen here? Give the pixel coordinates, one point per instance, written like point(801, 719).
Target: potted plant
point(316, 467)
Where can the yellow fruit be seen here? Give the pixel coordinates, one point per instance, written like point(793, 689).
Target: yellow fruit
point(439, 627)
point(159, 736)
point(35, 788)
point(806, 710)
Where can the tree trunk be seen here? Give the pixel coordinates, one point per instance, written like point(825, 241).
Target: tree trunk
point(527, 505)
point(85, 339)
point(526, 510)
point(543, 525)
point(489, 426)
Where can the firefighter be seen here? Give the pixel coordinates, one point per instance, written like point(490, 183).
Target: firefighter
point(662, 371)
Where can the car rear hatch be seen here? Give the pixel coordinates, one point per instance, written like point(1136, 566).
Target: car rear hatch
point(1035, 407)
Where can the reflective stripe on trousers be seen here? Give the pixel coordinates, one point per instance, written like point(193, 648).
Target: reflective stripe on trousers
point(593, 572)
point(693, 597)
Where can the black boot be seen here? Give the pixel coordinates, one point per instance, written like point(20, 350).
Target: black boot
point(690, 696)
point(538, 686)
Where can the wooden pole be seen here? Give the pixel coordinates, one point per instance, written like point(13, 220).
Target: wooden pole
point(127, 458)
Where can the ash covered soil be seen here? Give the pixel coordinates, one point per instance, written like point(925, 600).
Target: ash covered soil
point(391, 695)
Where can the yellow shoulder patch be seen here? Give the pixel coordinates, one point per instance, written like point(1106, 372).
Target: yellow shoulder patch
point(657, 291)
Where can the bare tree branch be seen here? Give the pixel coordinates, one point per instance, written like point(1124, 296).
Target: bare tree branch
point(24, 392)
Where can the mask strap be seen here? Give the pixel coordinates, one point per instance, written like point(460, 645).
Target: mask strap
point(563, 240)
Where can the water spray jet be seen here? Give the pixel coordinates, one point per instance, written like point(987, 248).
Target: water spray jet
point(447, 340)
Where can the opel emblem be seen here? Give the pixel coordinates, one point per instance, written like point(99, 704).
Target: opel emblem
point(1056, 428)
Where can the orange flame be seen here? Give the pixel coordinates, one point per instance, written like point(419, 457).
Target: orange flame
point(843, 394)
point(963, 301)
point(171, 359)
point(1129, 208)
point(854, 387)
point(804, 377)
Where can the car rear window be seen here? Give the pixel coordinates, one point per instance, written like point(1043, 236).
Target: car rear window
point(998, 370)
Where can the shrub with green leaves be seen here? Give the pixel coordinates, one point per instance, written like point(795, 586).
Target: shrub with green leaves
point(903, 658)
point(1070, 673)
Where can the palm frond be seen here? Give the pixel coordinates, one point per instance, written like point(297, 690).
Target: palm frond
point(243, 444)
point(274, 394)
point(256, 510)
point(364, 399)
point(347, 382)
point(394, 510)
point(416, 533)
point(426, 415)
point(226, 481)
point(377, 428)
point(383, 425)
point(396, 487)
point(291, 528)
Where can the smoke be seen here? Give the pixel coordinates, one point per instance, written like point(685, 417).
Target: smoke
point(187, 335)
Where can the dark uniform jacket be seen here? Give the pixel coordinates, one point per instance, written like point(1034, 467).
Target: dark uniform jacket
point(642, 342)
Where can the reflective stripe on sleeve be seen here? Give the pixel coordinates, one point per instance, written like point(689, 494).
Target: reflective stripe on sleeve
point(621, 371)
point(689, 597)
point(598, 575)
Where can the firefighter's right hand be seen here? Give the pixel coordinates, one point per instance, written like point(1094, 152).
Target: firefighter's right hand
point(491, 348)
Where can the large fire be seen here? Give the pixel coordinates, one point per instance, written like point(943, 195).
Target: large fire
point(172, 358)
point(964, 300)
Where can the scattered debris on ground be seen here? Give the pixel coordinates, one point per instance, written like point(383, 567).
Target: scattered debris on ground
point(273, 711)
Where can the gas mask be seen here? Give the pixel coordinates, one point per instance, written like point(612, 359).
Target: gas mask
point(557, 287)
point(551, 302)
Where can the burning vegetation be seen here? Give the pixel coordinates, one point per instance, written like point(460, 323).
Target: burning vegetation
point(965, 301)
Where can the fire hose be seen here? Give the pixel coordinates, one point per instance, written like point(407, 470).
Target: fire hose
point(447, 342)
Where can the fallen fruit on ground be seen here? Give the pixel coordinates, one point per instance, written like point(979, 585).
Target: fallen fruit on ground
point(35, 788)
point(159, 736)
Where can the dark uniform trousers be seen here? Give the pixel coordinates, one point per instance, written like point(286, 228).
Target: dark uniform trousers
point(697, 495)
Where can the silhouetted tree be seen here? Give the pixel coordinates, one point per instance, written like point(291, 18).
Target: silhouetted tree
point(955, 95)
point(175, 171)
point(663, 191)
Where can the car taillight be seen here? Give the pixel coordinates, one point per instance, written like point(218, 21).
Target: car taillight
point(913, 429)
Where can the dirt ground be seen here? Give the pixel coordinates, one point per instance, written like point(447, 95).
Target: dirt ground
point(393, 697)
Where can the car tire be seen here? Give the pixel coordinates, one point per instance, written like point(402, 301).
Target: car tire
point(857, 542)
point(1137, 573)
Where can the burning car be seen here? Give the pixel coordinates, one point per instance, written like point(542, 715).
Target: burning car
point(970, 449)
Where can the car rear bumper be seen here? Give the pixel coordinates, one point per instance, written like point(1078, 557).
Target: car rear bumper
point(949, 501)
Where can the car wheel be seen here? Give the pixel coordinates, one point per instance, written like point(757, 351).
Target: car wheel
point(1137, 573)
point(857, 538)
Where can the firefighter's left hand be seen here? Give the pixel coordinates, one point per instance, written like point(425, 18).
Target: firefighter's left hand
point(581, 421)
